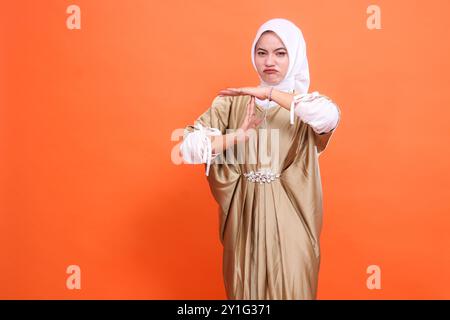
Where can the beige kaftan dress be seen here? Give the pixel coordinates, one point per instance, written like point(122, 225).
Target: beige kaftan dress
point(270, 231)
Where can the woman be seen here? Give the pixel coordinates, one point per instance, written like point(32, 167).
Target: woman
point(270, 212)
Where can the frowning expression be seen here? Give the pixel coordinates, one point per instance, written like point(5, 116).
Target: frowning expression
point(271, 58)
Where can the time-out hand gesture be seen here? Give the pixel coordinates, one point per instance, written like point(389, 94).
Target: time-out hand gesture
point(250, 121)
point(258, 92)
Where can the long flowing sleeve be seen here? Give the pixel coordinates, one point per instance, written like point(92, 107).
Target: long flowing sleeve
point(317, 110)
point(224, 176)
point(196, 146)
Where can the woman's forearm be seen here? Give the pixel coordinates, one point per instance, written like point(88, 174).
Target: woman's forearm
point(222, 142)
point(284, 99)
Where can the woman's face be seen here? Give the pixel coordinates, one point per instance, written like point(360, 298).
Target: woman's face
point(271, 58)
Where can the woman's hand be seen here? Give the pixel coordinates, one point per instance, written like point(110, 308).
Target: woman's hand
point(250, 121)
point(258, 92)
point(243, 133)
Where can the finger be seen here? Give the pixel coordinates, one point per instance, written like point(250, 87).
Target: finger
point(227, 92)
point(248, 113)
point(252, 105)
point(238, 91)
point(258, 122)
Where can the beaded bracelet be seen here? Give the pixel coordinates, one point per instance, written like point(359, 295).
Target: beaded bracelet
point(270, 94)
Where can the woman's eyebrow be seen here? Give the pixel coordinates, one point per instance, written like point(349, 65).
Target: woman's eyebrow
point(274, 50)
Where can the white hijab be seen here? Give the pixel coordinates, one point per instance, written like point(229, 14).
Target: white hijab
point(297, 76)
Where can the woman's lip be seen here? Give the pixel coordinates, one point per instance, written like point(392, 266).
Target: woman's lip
point(270, 71)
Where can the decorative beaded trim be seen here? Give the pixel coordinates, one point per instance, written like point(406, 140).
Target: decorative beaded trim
point(263, 176)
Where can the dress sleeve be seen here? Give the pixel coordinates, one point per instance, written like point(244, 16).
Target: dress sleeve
point(196, 145)
point(223, 176)
point(317, 110)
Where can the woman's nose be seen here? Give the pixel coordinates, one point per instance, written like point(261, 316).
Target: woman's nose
point(269, 60)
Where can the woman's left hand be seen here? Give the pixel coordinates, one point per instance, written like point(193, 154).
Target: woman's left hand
point(258, 92)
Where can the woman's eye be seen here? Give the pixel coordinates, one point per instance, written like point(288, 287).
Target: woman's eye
point(278, 53)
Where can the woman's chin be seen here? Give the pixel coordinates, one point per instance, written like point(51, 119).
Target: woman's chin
point(272, 80)
point(273, 83)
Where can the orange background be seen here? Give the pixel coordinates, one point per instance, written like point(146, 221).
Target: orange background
point(85, 144)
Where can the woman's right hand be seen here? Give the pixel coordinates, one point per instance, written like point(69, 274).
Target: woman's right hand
point(250, 121)
point(219, 143)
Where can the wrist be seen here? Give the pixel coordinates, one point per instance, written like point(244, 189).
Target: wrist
point(240, 135)
point(269, 92)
